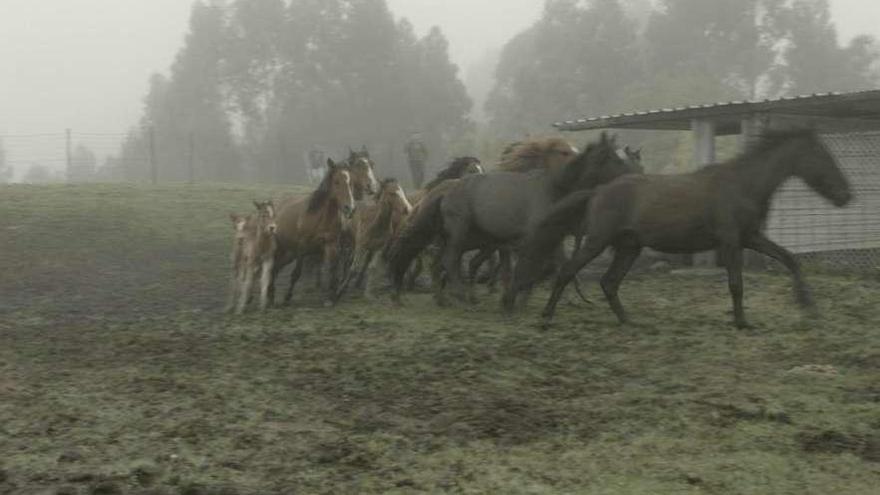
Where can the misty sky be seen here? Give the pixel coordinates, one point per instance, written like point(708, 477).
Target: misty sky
point(85, 63)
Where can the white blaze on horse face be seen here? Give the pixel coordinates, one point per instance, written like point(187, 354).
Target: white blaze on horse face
point(402, 195)
point(374, 184)
point(479, 168)
point(346, 177)
point(622, 155)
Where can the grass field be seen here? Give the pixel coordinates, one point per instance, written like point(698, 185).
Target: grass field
point(119, 374)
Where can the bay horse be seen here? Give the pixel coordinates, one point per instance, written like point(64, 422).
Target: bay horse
point(500, 209)
point(719, 207)
point(362, 170)
point(314, 225)
point(253, 252)
point(374, 227)
point(364, 186)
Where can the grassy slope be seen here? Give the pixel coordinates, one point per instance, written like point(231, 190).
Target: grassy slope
point(116, 369)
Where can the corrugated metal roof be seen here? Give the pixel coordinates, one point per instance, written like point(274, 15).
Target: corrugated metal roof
point(863, 105)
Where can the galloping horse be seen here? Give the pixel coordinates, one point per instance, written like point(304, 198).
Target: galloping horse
point(362, 170)
point(374, 228)
point(721, 207)
point(499, 209)
point(313, 226)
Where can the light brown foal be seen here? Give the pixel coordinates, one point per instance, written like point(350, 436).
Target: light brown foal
point(253, 251)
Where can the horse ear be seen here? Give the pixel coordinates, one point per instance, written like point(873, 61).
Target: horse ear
point(330, 163)
point(234, 217)
point(258, 204)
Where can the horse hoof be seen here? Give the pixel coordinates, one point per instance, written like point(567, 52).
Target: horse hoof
point(744, 325)
point(329, 304)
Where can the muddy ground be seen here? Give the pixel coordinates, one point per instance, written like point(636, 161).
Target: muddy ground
point(119, 374)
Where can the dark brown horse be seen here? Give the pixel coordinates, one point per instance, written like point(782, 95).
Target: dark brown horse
point(498, 209)
point(720, 207)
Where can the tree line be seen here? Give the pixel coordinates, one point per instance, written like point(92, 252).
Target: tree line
point(609, 56)
point(258, 83)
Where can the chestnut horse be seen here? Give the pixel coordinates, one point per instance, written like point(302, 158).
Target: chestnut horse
point(313, 226)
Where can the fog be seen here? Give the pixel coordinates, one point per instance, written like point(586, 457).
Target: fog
point(85, 64)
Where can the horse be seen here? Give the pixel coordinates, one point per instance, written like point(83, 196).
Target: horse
point(720, 207)
point(253, 251)
point(364, 185)
point(457, 168)
point(374, 226)
point(314, 226)
point(362, 170)
point(499, 209)
point(633, 160)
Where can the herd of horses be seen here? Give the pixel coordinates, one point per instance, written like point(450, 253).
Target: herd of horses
point(542, 192)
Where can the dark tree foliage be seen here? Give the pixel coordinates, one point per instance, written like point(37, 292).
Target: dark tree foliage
point(260, 82)
point(591, 57)
point(578, 58)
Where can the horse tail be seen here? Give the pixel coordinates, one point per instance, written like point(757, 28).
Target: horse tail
point(420, 229)
point(549, 233)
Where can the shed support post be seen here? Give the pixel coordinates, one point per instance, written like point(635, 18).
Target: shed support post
point(704, 154)
point(751, 129)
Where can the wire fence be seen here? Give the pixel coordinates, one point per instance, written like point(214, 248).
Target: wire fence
point(809, 226)
point(69, 156)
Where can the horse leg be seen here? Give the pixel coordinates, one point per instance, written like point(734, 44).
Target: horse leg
point(477, 261)
point(246, 286)
point(369, 275)
point(452, 263)
point(765, 246)
point(266, 280)
point(363, 268)
point(733, 262)
point(294, 278)
point(414, 272)
point(233, 288)
point(438, 279)
point(624, 257)
point(331, 265)
point(570, 270)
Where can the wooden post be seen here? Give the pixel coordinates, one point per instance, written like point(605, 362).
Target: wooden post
point(704, 154)
point(154, 166)
point(69, 156)
point(190, 164)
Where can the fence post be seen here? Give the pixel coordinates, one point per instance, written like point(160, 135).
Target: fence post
point(191, 158)
point(69, 159)
point(154, 169)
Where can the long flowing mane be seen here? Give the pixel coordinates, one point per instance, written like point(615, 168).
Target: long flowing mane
point(454, 170)
point(530, 155)
point(320, 195)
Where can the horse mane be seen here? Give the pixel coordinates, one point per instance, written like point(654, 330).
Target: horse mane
point(320, 195)
point(769, 140)
point(452, 171)
point(524, 156)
